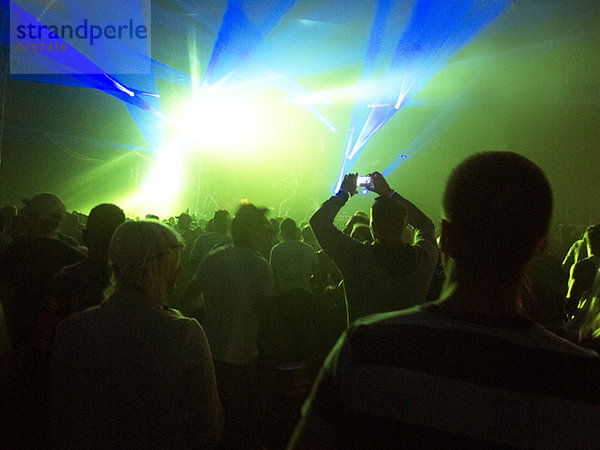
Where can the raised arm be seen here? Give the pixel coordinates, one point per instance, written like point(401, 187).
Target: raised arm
point(335, 243)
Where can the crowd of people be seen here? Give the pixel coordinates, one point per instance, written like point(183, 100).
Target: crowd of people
point(246, 331)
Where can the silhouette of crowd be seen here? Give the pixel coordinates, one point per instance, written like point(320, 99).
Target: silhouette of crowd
point(248, 331)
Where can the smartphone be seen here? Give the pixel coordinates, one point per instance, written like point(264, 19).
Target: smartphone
point(364, 182)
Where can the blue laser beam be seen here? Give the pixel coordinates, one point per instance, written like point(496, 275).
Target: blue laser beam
point(435, 31)
point(243, 28)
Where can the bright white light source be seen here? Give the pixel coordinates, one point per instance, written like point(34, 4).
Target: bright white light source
point(162, 186)
point(223, 122)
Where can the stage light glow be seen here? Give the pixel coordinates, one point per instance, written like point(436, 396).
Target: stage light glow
point(345, 94)
point(161, 187)
point(231, 123)
point(228, 128)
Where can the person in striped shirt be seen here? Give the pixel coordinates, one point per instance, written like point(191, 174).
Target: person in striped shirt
point(469, 370)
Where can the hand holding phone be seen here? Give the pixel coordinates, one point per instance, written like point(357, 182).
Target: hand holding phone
point(366, 182)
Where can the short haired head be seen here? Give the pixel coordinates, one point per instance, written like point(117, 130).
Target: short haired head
point(357, 217)
point(289, 229)
point(250, 225)
point(499, 206)
point(47, 208)
point(592, 238)
point(184, 220)
point(145, 256)
point(388, 218)
point(102, 222)
point(221, 221)
point(362, 233)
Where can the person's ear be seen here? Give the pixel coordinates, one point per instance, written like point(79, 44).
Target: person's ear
point(447, 241)
point(542, 245)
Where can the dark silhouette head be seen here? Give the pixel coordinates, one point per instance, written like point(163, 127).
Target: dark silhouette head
point(184, 221)
point(44, 213)
point(289, 229)
point(251, 228)
point(388, 219)
point(357, 217)
point(70, 224)
point(497, 208)
point(362, 233)
point(221, 221)
point(102, 222)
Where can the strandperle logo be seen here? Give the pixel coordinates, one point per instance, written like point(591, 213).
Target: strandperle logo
point(84, 31)
point(74, 37)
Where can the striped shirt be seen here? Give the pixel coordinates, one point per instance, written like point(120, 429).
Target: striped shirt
point(420, 379)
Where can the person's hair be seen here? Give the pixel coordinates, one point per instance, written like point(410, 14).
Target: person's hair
point(47, 208)
point(102, 222)
point(246, 219)
point(388, 216)
point(70, 223)
point(210, 226)
point(184, 220)
point(500, 206)
point(221, 221)
point(362, 233)
point(145, 256)
point(289, 229)
point(357, 217)
point(592, 238)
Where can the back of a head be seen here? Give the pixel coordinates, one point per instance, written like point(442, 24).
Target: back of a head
point(246, 220)
point(500, 206)
point(47, 208)
point(362, 233)
point(102, 222)
point(592, 238)
point(388, 217)
point(289, 229)
point(184, 220)
point(357, 217)
point(145, 256)
point(221, 221)
point(70, 222)
point(210, 226)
